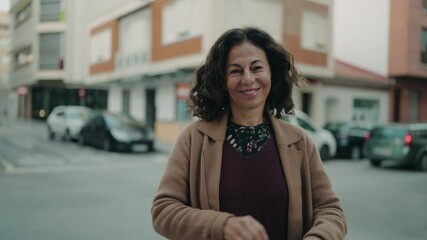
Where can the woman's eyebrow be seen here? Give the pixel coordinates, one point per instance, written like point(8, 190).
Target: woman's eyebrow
point(233, 65)
point(257, 61)
point(238, 65)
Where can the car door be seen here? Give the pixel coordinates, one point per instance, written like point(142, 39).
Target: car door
point(97, 131)
point(59, 122)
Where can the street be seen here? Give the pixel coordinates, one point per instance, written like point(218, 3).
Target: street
point(59, 190)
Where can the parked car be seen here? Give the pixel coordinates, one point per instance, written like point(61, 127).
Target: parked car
point(402, 144)
point(350, 137)
point(322, 138)
point(116, 132)
point(66, 121)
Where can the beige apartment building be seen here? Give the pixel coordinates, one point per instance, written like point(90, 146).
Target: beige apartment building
point(408, 61)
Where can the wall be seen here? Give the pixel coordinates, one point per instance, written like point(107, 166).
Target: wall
point(343, 111)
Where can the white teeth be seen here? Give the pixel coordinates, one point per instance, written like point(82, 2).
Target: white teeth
point(250, 92)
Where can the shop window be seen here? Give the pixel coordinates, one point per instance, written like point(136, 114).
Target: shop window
point(365, 110)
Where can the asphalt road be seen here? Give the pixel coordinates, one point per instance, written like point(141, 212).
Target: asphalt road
point(57, 190)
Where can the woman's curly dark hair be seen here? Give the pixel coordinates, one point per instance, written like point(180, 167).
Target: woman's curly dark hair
point(208, 99)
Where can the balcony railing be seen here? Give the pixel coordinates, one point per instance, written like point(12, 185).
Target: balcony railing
point(130, 60)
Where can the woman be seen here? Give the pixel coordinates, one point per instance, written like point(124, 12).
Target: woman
point(239, 172)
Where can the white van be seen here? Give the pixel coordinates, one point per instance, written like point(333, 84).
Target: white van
point(322, 138)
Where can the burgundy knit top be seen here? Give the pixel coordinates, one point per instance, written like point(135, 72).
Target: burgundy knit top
point(254, 184)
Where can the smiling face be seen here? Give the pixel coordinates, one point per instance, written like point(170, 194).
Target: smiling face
point(248, 78)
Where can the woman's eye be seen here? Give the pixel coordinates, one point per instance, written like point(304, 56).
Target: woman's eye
point(234, 72)
point(257, 68)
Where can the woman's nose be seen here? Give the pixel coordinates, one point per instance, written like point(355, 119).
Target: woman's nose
point(248, 77)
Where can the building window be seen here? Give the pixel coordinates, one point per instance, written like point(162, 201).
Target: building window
point(189, 26)
point(23, 14)
point(365, 110)
point(134, 39)
point(23, 57)
point(101, 44)
point(50, 10)
point(50, 47)
point(424, 46)
point(315, 31)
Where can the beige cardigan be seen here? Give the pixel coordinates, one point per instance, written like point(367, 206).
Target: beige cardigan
point(186, 206)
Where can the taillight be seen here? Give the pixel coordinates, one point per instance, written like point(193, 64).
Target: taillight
point(367, 136)
point(408, 139)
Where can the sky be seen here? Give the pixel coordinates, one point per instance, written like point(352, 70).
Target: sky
point(4, 5)
point(361, 33)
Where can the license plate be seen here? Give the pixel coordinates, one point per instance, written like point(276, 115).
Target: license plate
point(382, 151)
point(139, 148)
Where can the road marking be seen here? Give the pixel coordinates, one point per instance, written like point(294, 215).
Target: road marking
point(7, 166)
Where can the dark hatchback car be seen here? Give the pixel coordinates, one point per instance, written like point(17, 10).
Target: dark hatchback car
point(115, 132)
point(401, 144)
point(350, 137)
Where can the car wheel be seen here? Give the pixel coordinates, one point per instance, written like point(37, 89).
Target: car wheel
point(150, 147)
point(355, 153)
point(324, 152)
point(81, 140)
point(106, 144)
point(375, 163)
point(67, 136)
point(422, 163)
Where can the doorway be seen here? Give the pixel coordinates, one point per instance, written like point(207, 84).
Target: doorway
point(150, 107)
point(306, 102)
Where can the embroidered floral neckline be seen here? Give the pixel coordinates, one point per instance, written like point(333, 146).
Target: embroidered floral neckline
point(248, 140)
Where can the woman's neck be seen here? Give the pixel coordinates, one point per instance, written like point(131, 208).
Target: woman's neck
point(247, 118)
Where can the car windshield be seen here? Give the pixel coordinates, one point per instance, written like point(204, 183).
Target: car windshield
point(333, 126)
point(114, 120)
point(77, 114)
point(388, 132)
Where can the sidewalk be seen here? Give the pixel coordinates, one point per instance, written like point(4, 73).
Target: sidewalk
point(39, 127)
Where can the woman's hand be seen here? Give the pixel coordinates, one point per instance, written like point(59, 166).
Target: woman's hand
point(244, 228)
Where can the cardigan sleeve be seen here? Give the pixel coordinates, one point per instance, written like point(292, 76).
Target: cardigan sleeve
point(328, 217)
point(172, 215)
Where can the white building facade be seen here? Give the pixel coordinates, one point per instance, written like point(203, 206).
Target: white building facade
point(146, 52)
point(47, 49)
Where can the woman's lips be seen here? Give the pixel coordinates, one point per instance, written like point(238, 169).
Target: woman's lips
point(251, 92)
